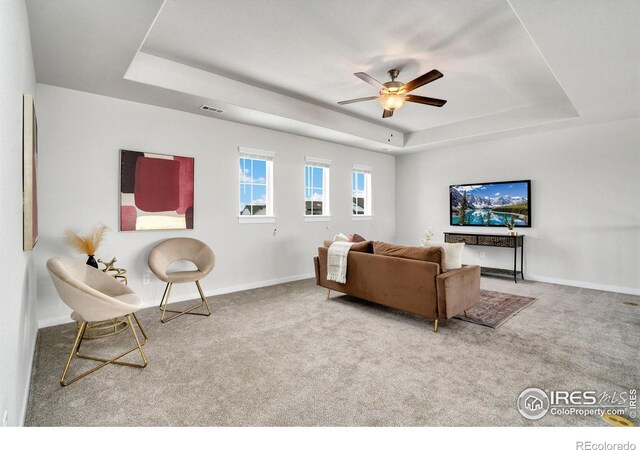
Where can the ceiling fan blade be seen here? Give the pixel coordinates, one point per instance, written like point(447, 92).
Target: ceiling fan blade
point(356, 100)
point(424, 100)
point(422, 80)
point(387, 113)
point(369, 79)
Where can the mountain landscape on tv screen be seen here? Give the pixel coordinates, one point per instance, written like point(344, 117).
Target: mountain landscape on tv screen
point(490, 204)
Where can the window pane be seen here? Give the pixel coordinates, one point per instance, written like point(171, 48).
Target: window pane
point(259, 171)
point(245, 198)
point(307, 176)
point(245, 170)
point(308, 194)
point(317, 177)
point(360, 181)
point(259, 195)
point(317, 202)
point(358, 206)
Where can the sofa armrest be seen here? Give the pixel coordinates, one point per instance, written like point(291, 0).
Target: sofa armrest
point(316, 266)
point(458, 290)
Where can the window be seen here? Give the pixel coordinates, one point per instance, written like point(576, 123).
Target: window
point(256, 183)
point(361, 191)
point(316, 187)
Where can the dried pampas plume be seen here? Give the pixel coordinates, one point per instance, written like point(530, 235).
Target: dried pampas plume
point(86, 244)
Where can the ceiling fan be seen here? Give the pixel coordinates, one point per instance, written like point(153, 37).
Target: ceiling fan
point(393, 93)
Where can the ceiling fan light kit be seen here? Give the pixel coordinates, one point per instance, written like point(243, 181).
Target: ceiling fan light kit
point(392, 95)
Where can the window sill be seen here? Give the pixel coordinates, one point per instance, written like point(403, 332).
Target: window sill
point(256, 219)
point(317, 218)
point(362, 217)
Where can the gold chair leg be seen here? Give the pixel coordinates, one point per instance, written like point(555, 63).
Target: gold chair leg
point(435, 326)
point(164, 294)
point(328, 293)
point(144, 334)
point(105, 362)
point(165, 300)
point(465, 314)
point(76, 344)
point(204, 300)
point(135, 336)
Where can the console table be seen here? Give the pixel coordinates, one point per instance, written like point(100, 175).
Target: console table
point(493, 240)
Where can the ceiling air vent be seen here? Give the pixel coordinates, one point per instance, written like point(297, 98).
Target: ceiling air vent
point(211, 109)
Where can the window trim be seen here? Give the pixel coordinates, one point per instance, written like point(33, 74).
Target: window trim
point(269, 157)
point(325, 164)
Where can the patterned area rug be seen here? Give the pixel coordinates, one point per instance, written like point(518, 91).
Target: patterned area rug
point(495, 308)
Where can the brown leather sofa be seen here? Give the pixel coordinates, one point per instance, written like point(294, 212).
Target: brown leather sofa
point(408, 278)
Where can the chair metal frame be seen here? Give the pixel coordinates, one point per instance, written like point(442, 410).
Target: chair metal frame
point(165, 301)
point(75, 351)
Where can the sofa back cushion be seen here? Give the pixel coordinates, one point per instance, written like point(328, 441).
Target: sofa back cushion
point(364, 246)
point(432, 254)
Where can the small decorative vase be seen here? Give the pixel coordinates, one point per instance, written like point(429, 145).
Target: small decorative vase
point(513, 233)
point(92, 261)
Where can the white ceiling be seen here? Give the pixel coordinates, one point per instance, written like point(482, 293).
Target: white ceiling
point(509, 67)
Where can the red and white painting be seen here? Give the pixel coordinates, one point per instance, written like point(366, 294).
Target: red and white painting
point(156, 191)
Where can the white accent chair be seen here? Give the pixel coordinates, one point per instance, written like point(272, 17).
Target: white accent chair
point(181, 249)
point(94, 296)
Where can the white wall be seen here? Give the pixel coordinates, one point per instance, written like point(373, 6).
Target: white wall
point(80, 138)
point(585, 201)
point(18, 326)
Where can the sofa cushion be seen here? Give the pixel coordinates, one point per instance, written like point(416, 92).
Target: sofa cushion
point(453, 252)
point(364, 247)
point(432, 254)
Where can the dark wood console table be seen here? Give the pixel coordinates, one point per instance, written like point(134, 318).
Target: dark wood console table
point(493, 240)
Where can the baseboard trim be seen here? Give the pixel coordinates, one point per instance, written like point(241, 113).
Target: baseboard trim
point(50, 322)
point(27, 388)
point(584, 284)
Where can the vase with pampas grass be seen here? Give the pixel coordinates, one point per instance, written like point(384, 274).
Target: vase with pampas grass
point(87, 244)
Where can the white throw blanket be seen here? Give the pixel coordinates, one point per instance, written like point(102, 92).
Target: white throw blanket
point(337, 261)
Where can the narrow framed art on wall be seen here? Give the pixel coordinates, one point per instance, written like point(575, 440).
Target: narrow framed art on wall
point(29, 171)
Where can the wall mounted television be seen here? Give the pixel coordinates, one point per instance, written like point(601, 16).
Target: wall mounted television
point(490, 204)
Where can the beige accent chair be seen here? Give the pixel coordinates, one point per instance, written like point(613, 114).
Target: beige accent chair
point(94, 296)
point(181, 249)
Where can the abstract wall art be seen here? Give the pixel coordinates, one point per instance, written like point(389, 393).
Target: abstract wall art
point(156, 191)
point(29, 169)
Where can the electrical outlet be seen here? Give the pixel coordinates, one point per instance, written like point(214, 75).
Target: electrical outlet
point(5, 418)
point(146, 279)
point(483, 254)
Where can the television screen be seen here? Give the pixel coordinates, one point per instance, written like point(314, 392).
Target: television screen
point(491, 204)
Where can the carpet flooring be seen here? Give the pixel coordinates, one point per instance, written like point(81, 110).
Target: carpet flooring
point(286, 356)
